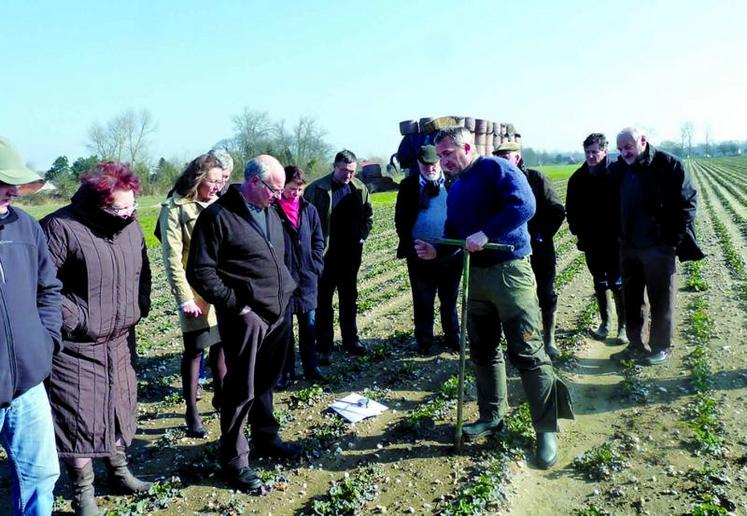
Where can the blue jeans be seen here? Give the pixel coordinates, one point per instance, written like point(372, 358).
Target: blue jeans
point(27, 434)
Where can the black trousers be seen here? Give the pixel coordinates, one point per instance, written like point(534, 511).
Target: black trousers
point(651, 273)
point(340, 273)
point(428, 278)
point(543, 262)
point(255, 353)
point(603, 262)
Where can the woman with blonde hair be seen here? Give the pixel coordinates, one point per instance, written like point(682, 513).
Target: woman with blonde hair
point(195, 189)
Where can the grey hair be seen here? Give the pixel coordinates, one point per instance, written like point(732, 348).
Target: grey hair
point(225, 159)
point(255, 167)
point(633, 132)
point(459, 135)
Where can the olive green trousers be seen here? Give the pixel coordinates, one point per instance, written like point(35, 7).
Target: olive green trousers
point(503, 299)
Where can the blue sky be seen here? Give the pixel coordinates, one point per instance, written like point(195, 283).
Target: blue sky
point(557, 70)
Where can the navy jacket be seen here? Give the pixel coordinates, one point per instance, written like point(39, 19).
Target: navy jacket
point(30, 303)
point(304, 255)
point(492, 196)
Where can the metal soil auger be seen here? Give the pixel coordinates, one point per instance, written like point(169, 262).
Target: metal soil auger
point(463, 327)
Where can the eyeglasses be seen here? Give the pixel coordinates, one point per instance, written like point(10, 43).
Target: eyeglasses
point(274, 191)
point(120, 211)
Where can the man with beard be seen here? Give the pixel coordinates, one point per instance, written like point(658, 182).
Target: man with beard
point(420, 214)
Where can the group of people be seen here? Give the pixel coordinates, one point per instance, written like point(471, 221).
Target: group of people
point(242, 259)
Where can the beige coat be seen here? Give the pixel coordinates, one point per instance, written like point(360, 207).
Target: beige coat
point(177, 221)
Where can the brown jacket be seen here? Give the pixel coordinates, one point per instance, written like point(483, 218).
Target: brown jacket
point(105, 276)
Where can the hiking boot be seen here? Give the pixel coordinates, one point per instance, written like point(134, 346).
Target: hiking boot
point(634, 354)
point(481, 428)
point(658, 357)
point(84, 499)
point(547, 449)
point(121, 478)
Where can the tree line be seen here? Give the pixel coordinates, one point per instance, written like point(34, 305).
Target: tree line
point(128, 137)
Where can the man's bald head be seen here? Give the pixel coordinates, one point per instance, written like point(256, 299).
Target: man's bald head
point(264, 178)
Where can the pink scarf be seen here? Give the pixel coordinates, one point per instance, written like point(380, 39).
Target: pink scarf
point(291, 207)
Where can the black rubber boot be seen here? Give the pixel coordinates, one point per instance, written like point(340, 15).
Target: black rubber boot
point(548, 333)
point(84, 499)
point(603, 330)
point(622, 335)
point(120, 477)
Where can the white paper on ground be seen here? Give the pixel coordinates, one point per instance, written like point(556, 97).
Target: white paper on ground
point(355, 407)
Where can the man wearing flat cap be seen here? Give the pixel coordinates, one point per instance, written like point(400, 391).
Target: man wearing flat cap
point(420, 213)
point(542, 228)
point(30, 309)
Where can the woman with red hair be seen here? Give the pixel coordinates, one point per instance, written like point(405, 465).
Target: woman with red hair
point(99, 251)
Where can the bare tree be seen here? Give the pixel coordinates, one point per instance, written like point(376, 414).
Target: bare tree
point(686, 133)
point(303, 145)
point(708, 151)
point(123, 138)
point(252, 133)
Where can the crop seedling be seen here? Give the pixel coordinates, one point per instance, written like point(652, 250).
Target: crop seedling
point(331, 429)
point(484, 492)
point(599, 462)
point(306, 397)
point(157, 498)
point(351, 494)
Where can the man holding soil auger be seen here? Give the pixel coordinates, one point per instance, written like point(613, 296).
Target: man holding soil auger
point(491, 201)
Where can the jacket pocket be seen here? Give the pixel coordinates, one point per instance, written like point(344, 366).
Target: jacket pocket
point(74, 316)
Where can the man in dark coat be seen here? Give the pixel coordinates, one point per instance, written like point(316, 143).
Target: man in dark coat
point(420, 213)
point(346, 216)
point(30, 303)
point(236, 264)
point(658, 204)
point(592, 208)
point(542, 228)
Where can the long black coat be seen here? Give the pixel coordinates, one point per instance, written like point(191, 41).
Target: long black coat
point(304, 255)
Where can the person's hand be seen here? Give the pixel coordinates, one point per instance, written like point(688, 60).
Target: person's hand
point(245, 310)
point(476, 241)
point(202, 304)
point(424, 250)
point(191, 309)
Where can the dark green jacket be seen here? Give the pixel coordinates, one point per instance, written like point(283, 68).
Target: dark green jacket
point(319, 193)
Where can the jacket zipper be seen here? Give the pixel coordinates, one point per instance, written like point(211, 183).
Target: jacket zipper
point(8, 333)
